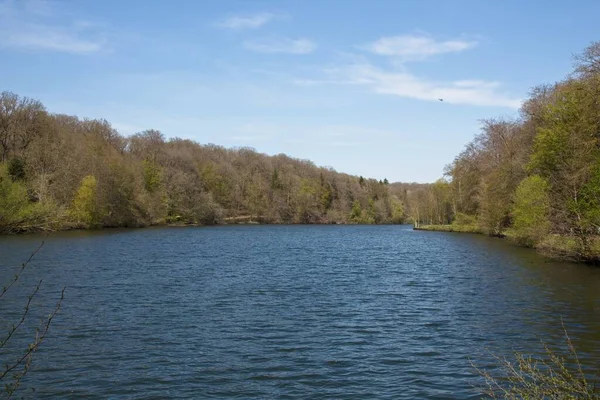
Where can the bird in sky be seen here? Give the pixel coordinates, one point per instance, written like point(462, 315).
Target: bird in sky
point(441, 99)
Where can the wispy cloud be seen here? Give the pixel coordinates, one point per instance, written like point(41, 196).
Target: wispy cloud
point(44, 37)
point(280, 45)
point(35, 24)
point(404, 84)
point(396, 78)
point(417, 47)
point(239, 22)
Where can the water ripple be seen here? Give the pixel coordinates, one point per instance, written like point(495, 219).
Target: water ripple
point(345, 312)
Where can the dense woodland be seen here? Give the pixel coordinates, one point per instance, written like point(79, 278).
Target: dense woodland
point(61, 172)
point(536, 177)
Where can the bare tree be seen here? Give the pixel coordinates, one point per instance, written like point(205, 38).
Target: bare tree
point(588, 62)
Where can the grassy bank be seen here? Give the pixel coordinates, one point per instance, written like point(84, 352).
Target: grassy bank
point(569, 248)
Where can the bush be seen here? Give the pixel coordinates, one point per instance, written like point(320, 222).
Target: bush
point(83, 211)
point(464, 219)
point(17, 212)
point(16, 169)
point(551, 376)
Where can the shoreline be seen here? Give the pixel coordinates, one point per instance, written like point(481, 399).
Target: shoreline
point(233, 222)
point(556, 247)
point(449, 228)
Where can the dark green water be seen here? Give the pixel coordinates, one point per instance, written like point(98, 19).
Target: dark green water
point(347, 312)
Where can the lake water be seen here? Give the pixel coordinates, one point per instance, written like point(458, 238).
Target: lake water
point(345, 312)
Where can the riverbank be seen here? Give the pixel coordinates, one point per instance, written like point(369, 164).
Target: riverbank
point(449, 228)
point(242, 220)
point(553, 246)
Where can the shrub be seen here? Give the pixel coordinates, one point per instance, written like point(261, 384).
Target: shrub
point(551, 376)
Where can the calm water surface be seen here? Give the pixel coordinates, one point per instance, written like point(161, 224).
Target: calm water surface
point(348, 312)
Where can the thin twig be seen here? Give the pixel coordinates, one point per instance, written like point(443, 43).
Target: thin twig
point(31, 348)
point(23, 266)
point(23, 316)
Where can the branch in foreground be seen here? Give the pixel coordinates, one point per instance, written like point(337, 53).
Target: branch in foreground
point(25, 360)
point(17, 369)
point(550, 376)
point(23, 266)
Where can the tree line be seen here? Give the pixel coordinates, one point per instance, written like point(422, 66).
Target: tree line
point(535, 177)
point(62, 172)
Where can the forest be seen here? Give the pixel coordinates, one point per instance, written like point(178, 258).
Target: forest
point(534, 178)
point(62, 172)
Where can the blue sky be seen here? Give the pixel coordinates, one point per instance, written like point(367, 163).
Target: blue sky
point(349, 84)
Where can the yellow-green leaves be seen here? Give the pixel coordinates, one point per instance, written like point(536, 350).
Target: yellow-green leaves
point(531, 210)
point(152, 176)
point(17, 211)
point(83, 211)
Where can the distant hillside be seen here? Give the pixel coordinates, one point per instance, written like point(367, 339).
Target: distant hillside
point(61, 172)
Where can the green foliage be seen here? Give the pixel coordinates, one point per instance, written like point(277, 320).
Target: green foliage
point(586, 205)
point(70, 172)
point(531, 210)
point(84, 212)
point(16, 169)
point(325, 194)
point(13, 202)
point(370, 216)
point(275, 180)
point(451, 228)
point(256, 195)
point(17, 212)
point(307, 207)
point(152, 176)
point(398, 215)
point(356, 213)
point(551, 147)
point(214, 182)
point(326, 199)
point(556, 143)
point(494, 208)
point(462, 219)
point(12, 194)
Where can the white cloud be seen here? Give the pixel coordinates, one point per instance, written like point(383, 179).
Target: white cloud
point(240, 22)
point(34, 24)
point(476, 83)
point(396, 78)
point(318, 82)
point(281, 45)
point(404, 84)
point(417, 47)
point(52, 39)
